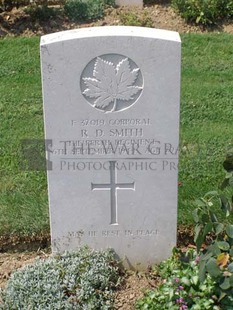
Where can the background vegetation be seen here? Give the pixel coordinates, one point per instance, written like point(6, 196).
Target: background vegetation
point(203, 12)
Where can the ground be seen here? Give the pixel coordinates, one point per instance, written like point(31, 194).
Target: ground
point(132, 288)
point(17, 22)
point(18, 252)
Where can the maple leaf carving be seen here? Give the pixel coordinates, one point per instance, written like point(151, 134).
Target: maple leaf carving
point(111, 83)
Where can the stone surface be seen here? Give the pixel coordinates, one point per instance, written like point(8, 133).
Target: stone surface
point(111, 108)
point(130, 3)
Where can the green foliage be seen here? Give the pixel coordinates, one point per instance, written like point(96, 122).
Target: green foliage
point(79, 280)
point(131, 19)
point(205, 12)
point(81, 10)
point(109, 3)
point(181, 288)
point(206, 219)
point(203, 279)
point(41, 13)
point(228, 166)
point(216, 260)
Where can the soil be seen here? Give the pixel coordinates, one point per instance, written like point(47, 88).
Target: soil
point(15, 252)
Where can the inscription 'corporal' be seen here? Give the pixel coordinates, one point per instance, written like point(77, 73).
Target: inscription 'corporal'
point(113, 122)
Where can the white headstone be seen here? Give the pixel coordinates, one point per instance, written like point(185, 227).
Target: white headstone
point(129, 3)
point(111, 106)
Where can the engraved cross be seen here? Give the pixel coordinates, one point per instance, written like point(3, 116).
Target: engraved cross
point(113, 186)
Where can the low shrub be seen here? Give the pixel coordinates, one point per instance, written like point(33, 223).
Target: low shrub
point(41, 12)
point(109, 3)
point(81, 10)
point(181, 288)
point(204, 12)
point(201, 279)
point(8, 5)
point(132, 19)
point(80, 280)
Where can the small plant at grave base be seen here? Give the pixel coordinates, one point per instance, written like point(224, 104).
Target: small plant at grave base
point(79, 280)
point(181, 288)
point(82, 10)
point(216, 260)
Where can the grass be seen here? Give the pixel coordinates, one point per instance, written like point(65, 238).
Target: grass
point(206, 113)
point(206, 127)
point(23, 194)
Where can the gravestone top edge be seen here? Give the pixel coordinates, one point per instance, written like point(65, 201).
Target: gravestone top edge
point(111, 31)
